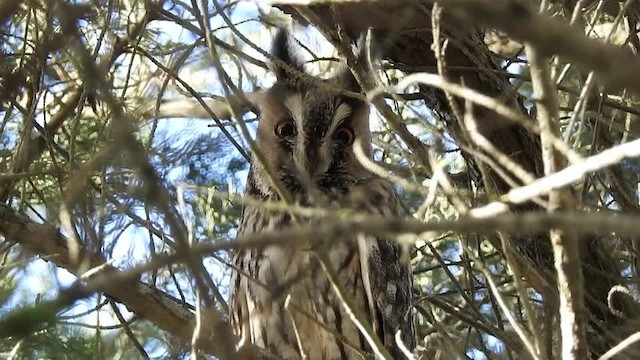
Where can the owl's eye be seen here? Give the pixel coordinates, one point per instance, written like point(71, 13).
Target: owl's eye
point(344, 135)
point(286, 129)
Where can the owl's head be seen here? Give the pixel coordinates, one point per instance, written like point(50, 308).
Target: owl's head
point(308, 127)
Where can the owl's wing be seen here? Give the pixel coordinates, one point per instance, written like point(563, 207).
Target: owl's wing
point(238, 305)
point(387, 276)
point(389, 285)
point(237, 295)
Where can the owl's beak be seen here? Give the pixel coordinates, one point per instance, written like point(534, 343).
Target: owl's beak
point(310, 161)
point(312, 165)
point(311, 158)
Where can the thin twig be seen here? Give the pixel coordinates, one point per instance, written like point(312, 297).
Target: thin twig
point(564, 243)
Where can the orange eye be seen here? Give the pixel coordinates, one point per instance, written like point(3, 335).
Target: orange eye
point(344, 135)
point(286, 129)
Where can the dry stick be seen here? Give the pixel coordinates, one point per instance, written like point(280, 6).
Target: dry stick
point(230, 89)
point(403, 348)
point(583, 223)
point(439, 54)
point(524, 337)
point(456, 283)
point(127, 328)
point(197, 96)
point(575, 14)
point(478, 98)
point(204, 22)
point(177, 227)
point(441, 178)
point(490, 188)
point(182, 107)
point(589, 83)
point(502, 159)
point(470, 121)
point(616, 104)
point(166, 79)
point(42, 239)
point(451, 345)
point(383, 173)
point(521, 288)
point(514, 265)
point(564, 243)
point(630, 340)
point(34, 239)
point(574, 172)
point(197, 330)
point(509, 339)
point(295, 327)
point(185, 107)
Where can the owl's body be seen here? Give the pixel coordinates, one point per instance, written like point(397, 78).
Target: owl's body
point(281, 298)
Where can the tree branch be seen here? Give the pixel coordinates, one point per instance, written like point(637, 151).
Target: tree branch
point(148, 302)
point(564, 243)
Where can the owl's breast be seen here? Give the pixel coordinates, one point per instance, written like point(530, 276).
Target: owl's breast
point(288, 305)
point(284, 301)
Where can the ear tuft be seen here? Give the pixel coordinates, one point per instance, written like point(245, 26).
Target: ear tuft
point(285, 64)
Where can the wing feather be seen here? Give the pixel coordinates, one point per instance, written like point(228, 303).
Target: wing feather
point(386, 275)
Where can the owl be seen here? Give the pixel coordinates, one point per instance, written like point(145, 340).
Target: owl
point(306, 134)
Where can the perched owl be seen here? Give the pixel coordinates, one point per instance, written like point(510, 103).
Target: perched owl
point(306, 134)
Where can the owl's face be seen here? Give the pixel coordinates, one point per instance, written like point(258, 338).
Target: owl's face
point(307, 129)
